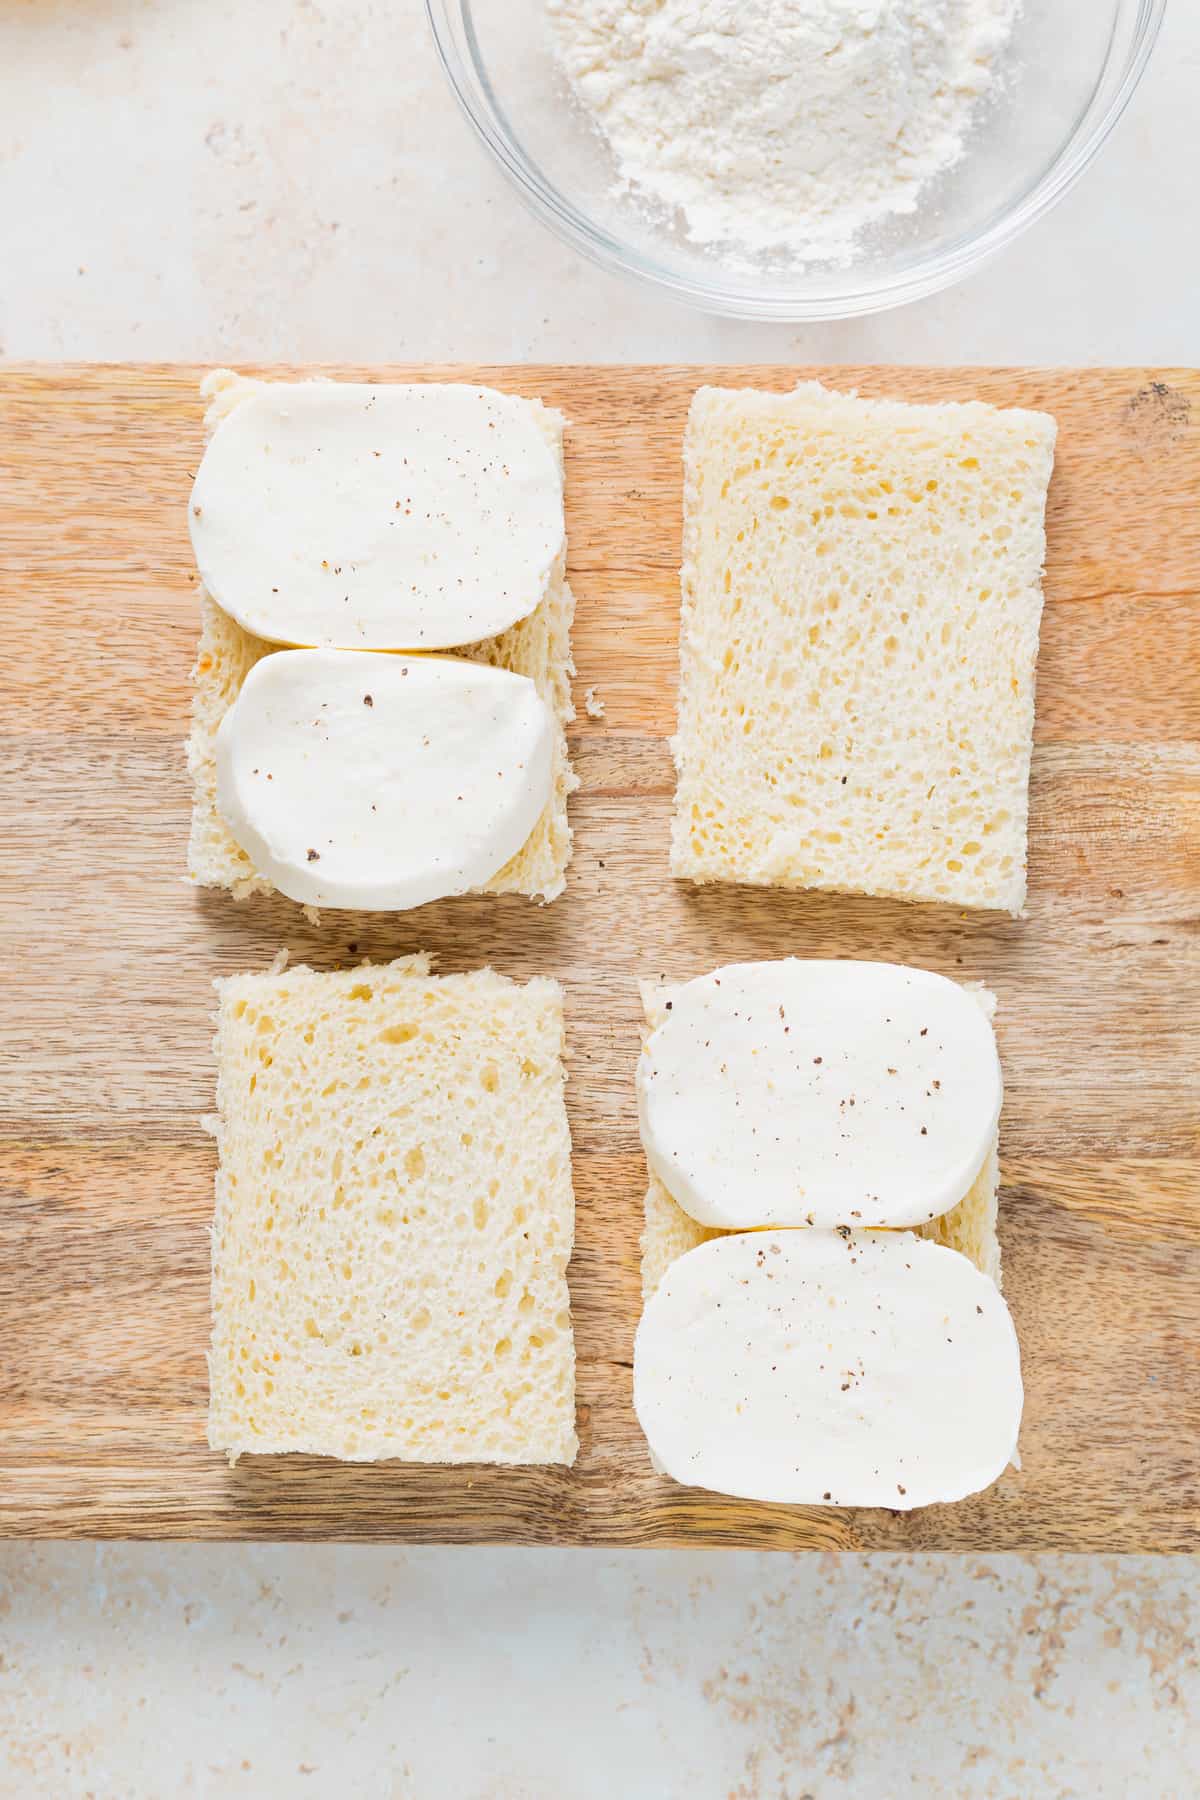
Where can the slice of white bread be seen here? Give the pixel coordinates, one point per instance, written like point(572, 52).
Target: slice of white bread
point(969, 1227)
point(394, 1218)
point(538, 647)
point(861, 591)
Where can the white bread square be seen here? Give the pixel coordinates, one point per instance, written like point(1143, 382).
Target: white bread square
point(861, 591)
point(969, 1227)
point(394, 1218)
point(538, 646)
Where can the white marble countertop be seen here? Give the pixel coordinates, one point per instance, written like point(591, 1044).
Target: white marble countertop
point(294, 181)
point(288, 180)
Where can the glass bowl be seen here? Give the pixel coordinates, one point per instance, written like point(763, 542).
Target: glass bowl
point(1067, 76)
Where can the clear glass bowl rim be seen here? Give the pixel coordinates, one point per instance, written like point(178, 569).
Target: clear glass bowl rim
point(926, 275)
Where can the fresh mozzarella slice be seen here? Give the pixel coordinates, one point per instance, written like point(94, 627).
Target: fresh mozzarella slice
point(819, 1093)
point(854, 1369)
point(378, 518)
point(372, 781)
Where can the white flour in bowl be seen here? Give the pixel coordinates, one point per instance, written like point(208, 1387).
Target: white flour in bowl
point(781, 125)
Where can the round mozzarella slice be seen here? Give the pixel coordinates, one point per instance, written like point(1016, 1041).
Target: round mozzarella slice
point(372, 781)
point(377, 518)
point(855, 1369)
point(819, 1093)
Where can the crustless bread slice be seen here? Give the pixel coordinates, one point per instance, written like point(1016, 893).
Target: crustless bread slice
point(538, 646)
point(861, 603)
point(969, 1227)
point(394, 1218)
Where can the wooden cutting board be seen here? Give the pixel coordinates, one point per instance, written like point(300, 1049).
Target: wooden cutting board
point(108, 956)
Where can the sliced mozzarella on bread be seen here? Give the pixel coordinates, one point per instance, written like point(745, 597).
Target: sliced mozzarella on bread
point(390, 517)
point(382, 782)
point(809, 1367)
point(819, 1093)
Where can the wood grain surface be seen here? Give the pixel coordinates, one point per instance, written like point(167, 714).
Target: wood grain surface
point(108, 957)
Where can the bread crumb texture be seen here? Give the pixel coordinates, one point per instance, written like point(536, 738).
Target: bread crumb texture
point(538, 646)
point(862, 597)
point(969, 1227)
point(394, 1218)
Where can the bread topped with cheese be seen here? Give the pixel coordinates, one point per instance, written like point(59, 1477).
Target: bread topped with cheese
point(969, 1226)
point(535, 646)
point(861, 591)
